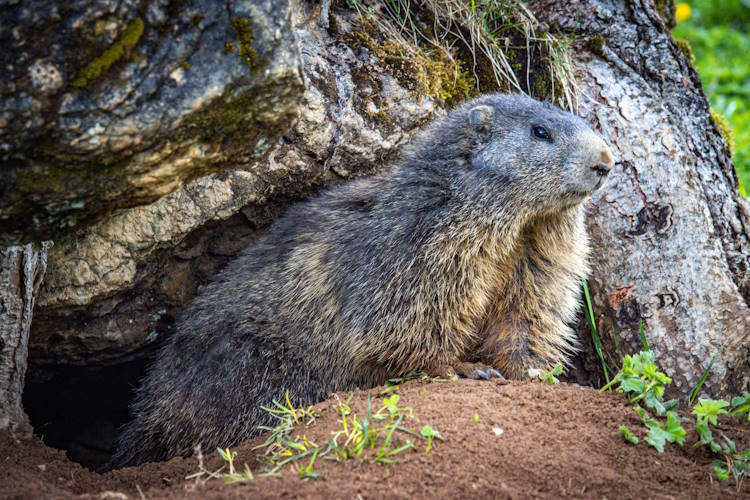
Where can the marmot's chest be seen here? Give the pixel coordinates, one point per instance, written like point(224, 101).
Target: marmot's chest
point(529, 281)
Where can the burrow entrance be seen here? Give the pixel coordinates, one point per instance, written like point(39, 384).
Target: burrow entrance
point(79, 409)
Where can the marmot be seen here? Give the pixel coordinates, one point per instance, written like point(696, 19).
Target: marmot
point(470, 249)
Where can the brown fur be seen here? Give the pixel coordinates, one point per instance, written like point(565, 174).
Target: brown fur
point(469, 250)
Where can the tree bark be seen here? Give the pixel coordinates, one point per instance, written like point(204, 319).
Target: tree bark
point(21, 272)
point(670, 230)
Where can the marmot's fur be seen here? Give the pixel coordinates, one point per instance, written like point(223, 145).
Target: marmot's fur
point(469, 250)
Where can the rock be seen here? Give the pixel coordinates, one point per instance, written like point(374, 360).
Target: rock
point(112, 291)
point(107, 105)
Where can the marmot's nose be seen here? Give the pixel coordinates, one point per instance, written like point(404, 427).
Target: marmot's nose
point(605, 162)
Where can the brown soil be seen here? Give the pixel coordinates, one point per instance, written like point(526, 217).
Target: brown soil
point(557, 441)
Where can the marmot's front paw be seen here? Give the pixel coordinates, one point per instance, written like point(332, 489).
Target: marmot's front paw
point(476, 371)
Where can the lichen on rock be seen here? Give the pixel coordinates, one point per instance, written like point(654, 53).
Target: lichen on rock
point(116, 52)
point(244, 30)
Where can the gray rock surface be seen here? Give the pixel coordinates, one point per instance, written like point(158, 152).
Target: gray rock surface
point(114, 290)
point(105, 104)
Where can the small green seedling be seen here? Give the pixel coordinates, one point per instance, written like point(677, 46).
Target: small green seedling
point(307, 472)
point(627, 435)
point(549, 377)
point(709, 409)
point(475, 419)
point(741, 406)
point(705, 413)
point(430, 434)
point(738, 463)
point(641, 380)
point(721, 471)
point(228, 457)
point(233, 476)
point(659, 434)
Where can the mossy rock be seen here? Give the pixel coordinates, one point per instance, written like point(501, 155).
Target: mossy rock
point(124, 112)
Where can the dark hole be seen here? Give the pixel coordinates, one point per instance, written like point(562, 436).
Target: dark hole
point(80, 409)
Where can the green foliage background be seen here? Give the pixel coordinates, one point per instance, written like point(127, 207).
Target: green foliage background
point(719, 33)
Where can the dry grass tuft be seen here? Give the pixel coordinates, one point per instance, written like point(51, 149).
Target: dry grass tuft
point(500, 39)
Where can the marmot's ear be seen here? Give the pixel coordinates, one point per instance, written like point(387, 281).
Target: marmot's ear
point(480, 118)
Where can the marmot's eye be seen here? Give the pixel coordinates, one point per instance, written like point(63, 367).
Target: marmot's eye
point(541, 133)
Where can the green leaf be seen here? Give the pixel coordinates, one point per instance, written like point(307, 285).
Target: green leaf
point(653, 402)
point(704, 431)
point(657, 437)
point(741, 405)
point(589, 313)
point(659, 433)
point(428, 432)
point(672, 404)
point(729, 448)
point(709, 409)
point(675, 432)
point(721, 472)
point(632, 384)
point(627, 435)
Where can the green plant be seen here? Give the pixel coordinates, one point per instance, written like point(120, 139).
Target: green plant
point(548, 376)
point(738, 463)
point(741, 406)
point(702, 380)
point(661, 432)
point(380, 431)
point(430, 434)
point(627, 435)
point(706, 412)
point(233, 476)
point(641, 380)
point(588, 311)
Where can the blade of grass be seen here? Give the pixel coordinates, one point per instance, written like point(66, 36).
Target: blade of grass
point(694, 392)
point(589, 313)
point(643, 336)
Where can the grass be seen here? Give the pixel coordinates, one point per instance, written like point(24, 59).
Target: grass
point(380, 436)
point(719, 34)
point(501, 38)
point(588, 311)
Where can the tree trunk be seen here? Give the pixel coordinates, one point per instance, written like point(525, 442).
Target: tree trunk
point(21, 272)
point(670, 230)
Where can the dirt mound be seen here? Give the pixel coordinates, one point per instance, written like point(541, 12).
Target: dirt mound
point(556, 441)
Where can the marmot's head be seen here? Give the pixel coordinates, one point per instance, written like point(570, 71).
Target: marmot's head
point(550, 157)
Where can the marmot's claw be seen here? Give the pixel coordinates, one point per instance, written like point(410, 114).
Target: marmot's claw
point(481, 374)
